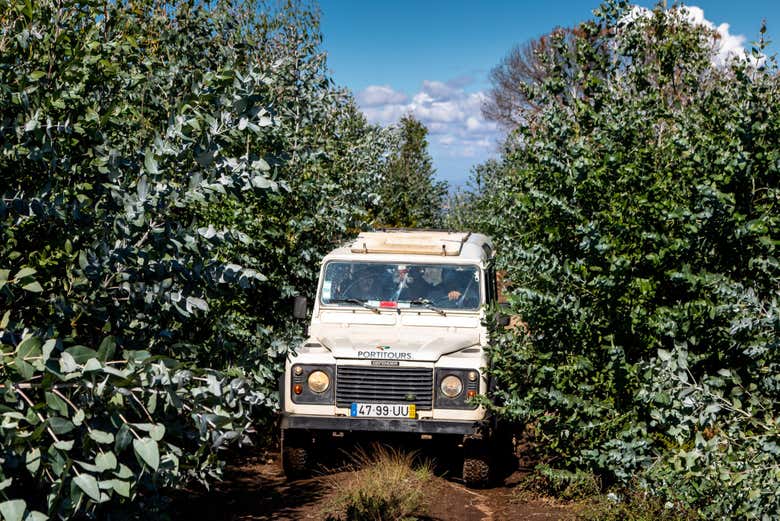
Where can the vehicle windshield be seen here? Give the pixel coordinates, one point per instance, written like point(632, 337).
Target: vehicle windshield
point(395, 285)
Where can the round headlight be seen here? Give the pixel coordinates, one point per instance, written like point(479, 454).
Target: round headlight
point(318, 381)
point(451, 386)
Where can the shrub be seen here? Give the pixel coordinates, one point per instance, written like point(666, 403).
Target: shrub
point(557, 483)
point(632, 505)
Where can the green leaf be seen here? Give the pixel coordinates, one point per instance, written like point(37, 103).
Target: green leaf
point(91, 115)
point(60, 425)
point(24, 272)
point(48, 348)
point(92, 365)
point(32, 460)
point(147, 451)
point(151, 404)
point(63, 445)
point(123, 438)
point(29, 347)
point(81, 354)
point(89, 485)
point(124, 472)
point(78, 418)
point(150, 165)
point(25, 370)
point(105, 461)
point(198, 303)
point(67, 363)
point(36, 516)
point(157, 432)
point(13, 510)
point(106, 349)
point(5, 319)
point(56, 403)
point(121, 487)
point(33, 287)
point(101, 436)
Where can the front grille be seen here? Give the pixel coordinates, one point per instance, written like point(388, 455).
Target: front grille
point(367, 384)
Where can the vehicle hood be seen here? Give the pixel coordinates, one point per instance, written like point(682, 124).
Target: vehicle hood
point(403, 342)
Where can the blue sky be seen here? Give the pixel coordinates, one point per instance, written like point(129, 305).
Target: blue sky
point(432, 58)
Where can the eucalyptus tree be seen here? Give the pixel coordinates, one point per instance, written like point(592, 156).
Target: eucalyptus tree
point(169, 171)
point(410, 195)
point(637, 214)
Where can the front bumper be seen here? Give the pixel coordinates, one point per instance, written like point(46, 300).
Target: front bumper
point(349, 424)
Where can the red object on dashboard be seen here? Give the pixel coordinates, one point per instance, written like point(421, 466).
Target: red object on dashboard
point(388, 304)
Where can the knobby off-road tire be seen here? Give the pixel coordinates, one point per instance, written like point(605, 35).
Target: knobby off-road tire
point(476, 463)
point(476, 472)
point(296, 456)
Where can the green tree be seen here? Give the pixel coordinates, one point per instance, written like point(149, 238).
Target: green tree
point(409, 194)
point(170, 174)
point(637, 213)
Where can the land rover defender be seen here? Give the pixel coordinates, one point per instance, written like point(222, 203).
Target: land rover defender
point(396, 344)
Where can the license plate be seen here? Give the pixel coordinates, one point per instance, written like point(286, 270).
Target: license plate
point(384, 410)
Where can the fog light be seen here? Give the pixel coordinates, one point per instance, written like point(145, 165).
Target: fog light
point(298, 389)
point(318, 381)
point(472, 376)
point(298, 370)
point(451, 386)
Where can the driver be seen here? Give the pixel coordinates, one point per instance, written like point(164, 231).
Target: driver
point(427, 283)
point(465, 288)
point(438, 290)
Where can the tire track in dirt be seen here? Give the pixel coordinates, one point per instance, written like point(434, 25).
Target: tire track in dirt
point(480, 502)
point(255, 489)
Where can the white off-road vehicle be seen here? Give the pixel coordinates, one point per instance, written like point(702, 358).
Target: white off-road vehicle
point(396, 345)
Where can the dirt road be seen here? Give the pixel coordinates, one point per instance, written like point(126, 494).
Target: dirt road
point(256, 489)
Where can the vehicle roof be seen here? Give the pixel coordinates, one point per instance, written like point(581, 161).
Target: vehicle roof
point(414, 245)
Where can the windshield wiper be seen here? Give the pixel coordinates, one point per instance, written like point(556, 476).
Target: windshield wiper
point(427, 304)
point(357, 301)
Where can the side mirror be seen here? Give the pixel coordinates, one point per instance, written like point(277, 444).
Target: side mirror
point(502, 319)
point(300, 308)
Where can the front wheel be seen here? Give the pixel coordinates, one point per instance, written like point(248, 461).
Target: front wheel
point(296, 455)
point(476, 472)
point(476, 463)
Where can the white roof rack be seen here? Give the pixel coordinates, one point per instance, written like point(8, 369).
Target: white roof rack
point(423, 242)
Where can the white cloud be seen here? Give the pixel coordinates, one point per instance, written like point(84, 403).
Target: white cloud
point(377, 95)
point(727, 45)
point(439, 90)
point(452, 116)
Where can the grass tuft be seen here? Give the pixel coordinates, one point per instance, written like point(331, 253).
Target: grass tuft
point(387, 485)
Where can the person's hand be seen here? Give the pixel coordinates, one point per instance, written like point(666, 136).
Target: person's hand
point(453, 295)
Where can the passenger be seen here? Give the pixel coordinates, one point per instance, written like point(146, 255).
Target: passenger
point(369, 283)
point(413, 286)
